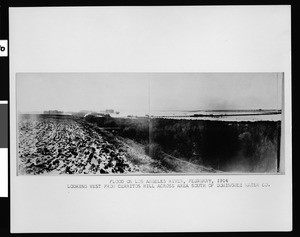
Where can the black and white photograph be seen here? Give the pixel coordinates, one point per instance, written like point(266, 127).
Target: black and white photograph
point(150, 119)
point(149, 123)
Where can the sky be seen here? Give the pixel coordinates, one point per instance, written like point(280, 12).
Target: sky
point(218, 91)
point(141, 93)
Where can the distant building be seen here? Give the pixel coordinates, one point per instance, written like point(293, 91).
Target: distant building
point(53, 112)
point(109, 111)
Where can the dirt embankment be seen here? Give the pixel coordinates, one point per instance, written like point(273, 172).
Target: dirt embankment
point(167, 164)
point(202, 145)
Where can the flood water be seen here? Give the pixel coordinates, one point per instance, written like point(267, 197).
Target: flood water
point(217, 115)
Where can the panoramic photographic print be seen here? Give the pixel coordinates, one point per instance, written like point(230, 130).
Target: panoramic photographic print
point(148, 123)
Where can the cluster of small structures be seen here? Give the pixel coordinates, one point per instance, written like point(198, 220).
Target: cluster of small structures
point(68, 146)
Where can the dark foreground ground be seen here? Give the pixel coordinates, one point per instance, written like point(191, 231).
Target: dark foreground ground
point(67, 145)
point(105, 145)
point(216, 145)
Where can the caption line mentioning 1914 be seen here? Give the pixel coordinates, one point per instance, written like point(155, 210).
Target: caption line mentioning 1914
point(169, 184)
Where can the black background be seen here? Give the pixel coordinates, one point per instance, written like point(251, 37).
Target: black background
point(4, 91)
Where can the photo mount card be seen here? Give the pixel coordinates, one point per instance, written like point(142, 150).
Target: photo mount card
point(134, 139)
